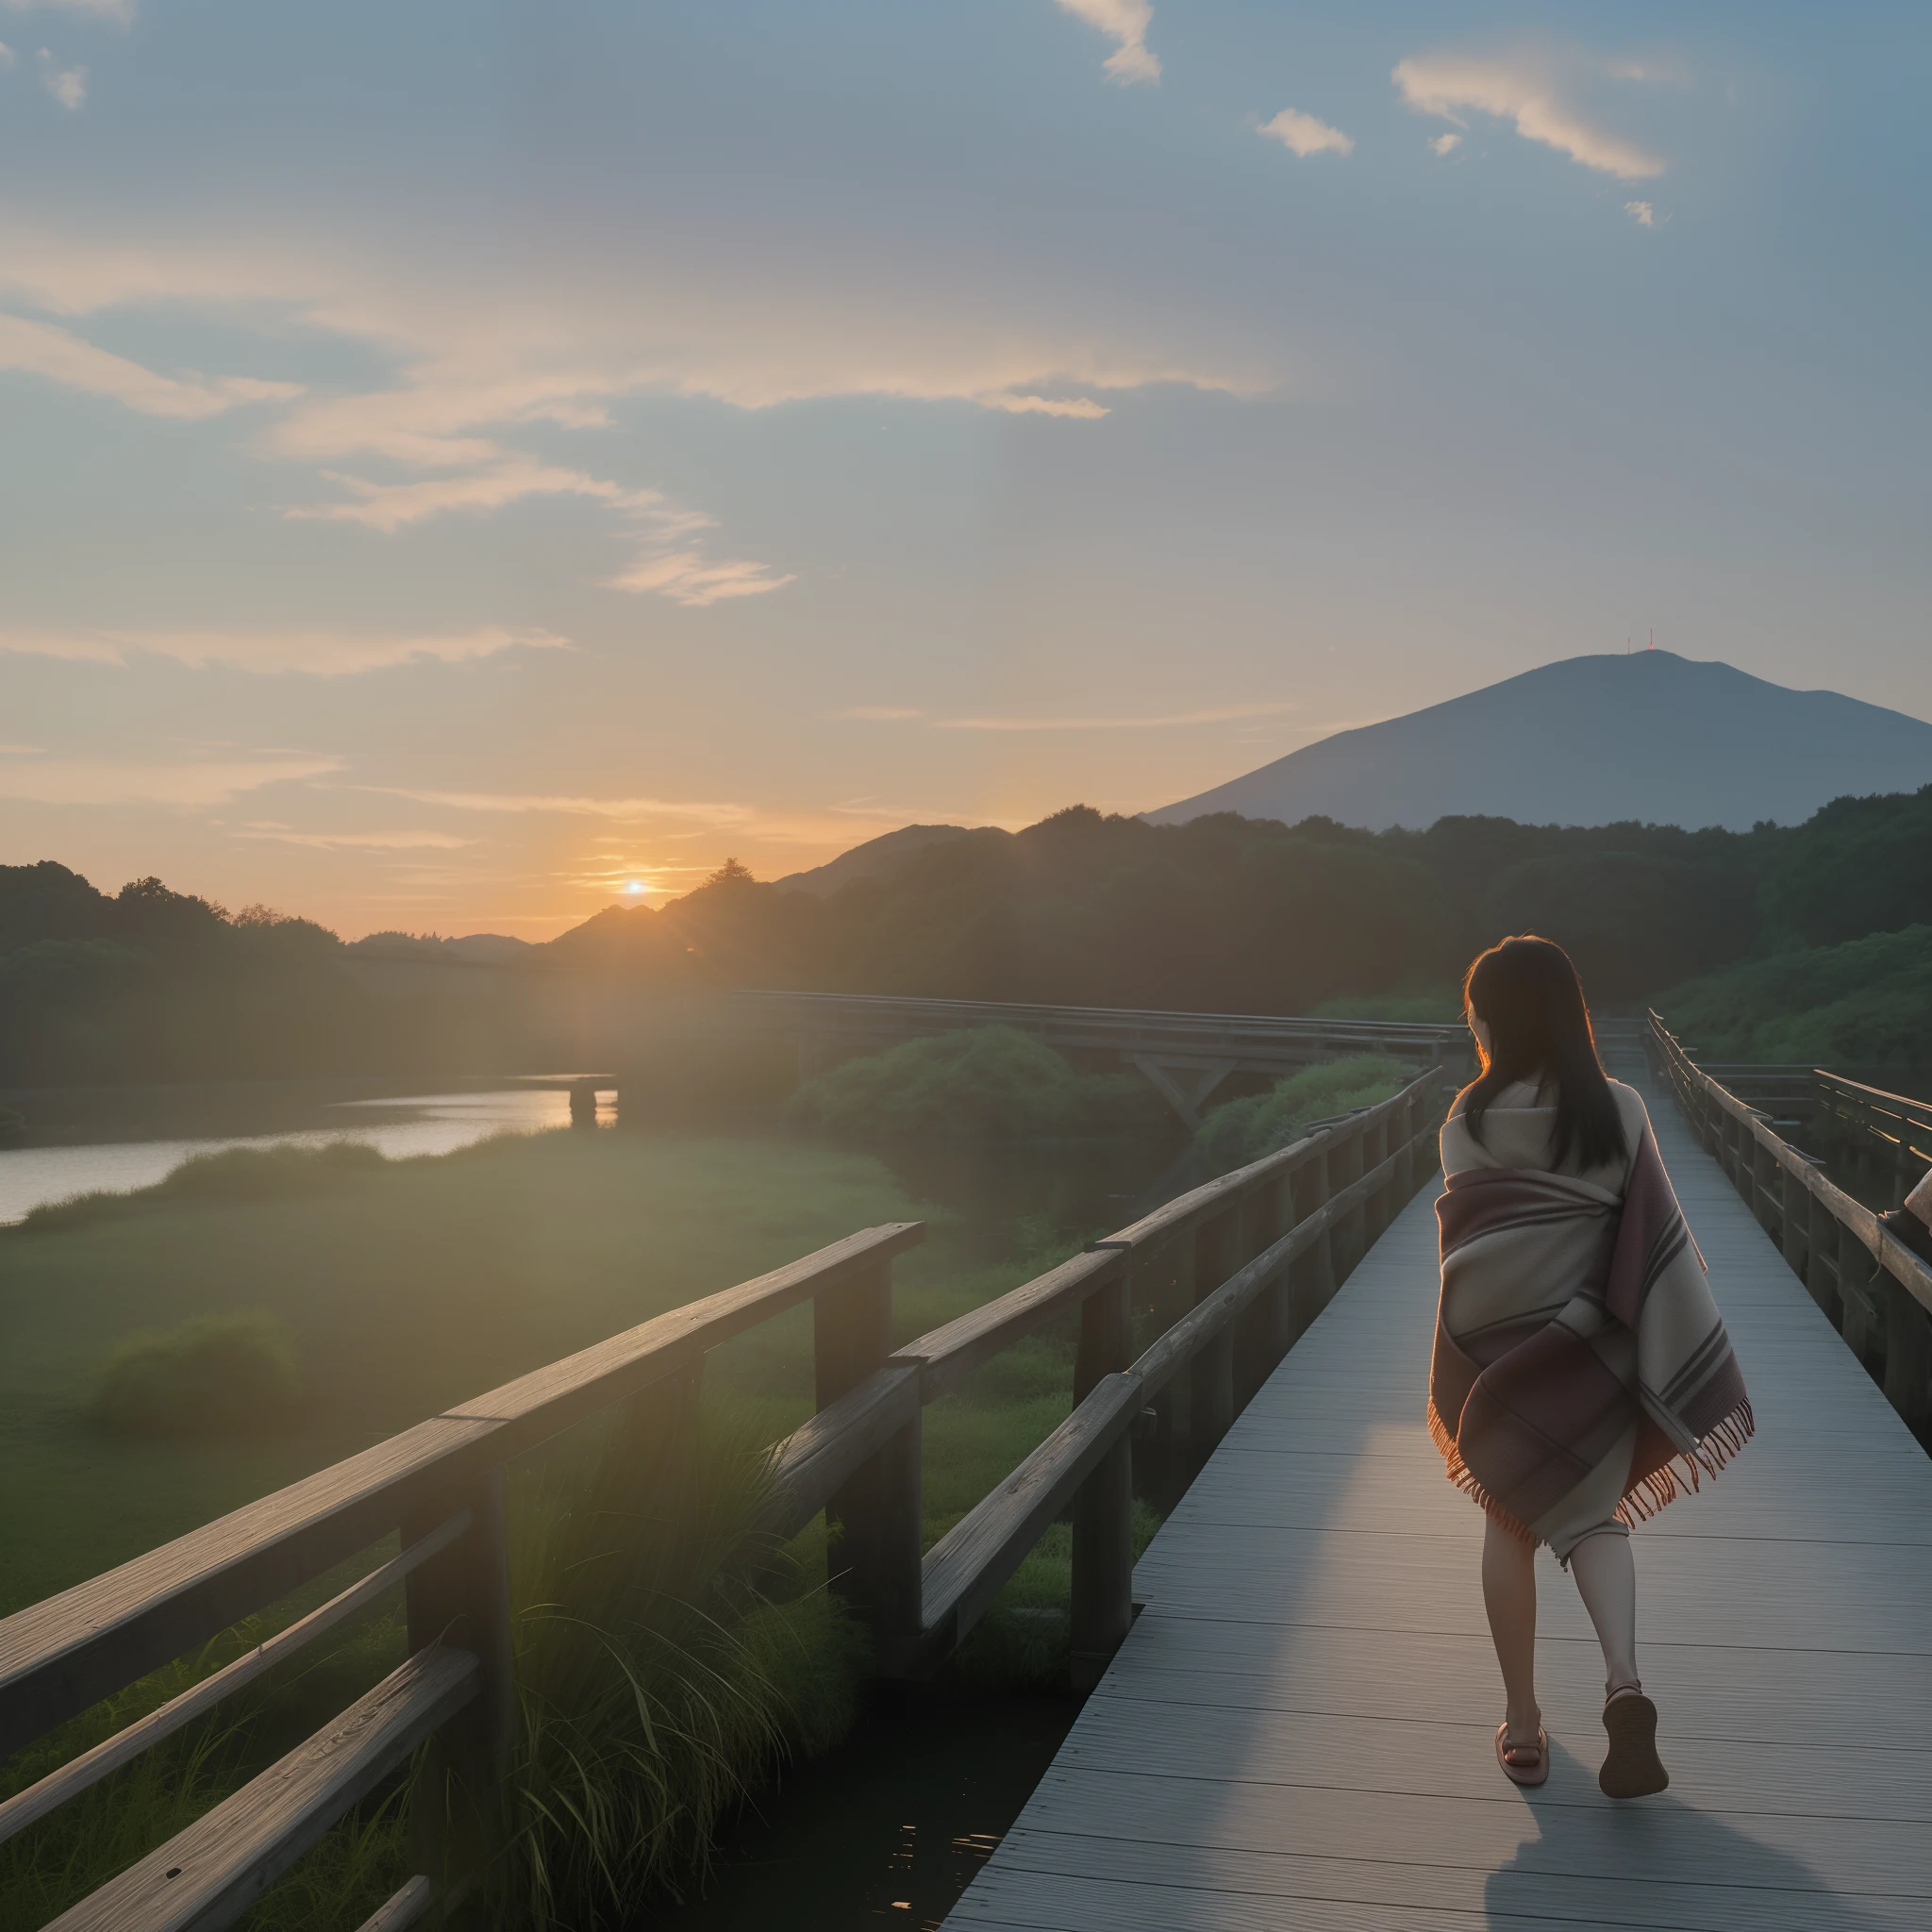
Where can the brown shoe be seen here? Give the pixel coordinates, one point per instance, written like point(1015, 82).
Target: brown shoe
point(1633, 1769)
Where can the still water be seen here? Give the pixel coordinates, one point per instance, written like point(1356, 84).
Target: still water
point(77, 1143)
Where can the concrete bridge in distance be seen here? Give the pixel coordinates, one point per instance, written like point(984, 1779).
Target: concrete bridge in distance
point(1185, 1057)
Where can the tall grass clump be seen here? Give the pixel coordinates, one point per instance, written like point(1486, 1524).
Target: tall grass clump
point(669, 1658)
point(1240, 1131)
point(214, 1375)
point(979, 1083)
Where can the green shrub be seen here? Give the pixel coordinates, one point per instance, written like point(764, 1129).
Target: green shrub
point(668, 1659)
point(982, 1082)
point(1243, 1130)
point(216, 1375)
point(1868, 1002)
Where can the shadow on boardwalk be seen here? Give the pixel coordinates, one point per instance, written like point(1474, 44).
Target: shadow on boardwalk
point(1597, 1862)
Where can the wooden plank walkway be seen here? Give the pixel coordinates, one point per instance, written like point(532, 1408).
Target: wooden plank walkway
point(1298, 1732)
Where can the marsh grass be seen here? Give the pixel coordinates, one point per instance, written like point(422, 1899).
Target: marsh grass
point(669, 1660)
point(226, 1173)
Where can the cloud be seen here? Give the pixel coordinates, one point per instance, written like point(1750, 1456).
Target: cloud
point(684, 574)
point(1226, 715)
point(120, 11)
point(687, 577)
point(110, 781)
point(693, 817)
point(310, 653)
point(1445, 143)
point(1537, 92)
point(8, 58)
point(39, 348)
point(355, 842)
point(1302, 134)
point(879, 714)
point(1124, 23)
point(68, 85)
point(1642, 212)
point(1081, 407)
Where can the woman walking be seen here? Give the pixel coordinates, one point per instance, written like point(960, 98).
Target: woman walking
point(1578, 1352)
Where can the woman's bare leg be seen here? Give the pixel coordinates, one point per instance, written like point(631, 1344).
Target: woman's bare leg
point(1605, 1574)
point(1510, 1596)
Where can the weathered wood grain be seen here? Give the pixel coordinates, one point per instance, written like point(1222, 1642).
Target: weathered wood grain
point(211, 1874)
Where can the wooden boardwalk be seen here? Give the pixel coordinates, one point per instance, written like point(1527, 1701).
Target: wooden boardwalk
point(1298, 1731)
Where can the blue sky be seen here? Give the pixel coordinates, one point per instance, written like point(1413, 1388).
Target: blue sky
point(459, 462)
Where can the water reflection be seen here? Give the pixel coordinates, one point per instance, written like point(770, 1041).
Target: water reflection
point(118, 1149)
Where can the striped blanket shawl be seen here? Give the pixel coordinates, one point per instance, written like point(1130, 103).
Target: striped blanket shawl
point(1534, 1382)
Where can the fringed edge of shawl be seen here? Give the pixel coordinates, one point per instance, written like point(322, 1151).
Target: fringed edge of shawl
point(1465, 1479)
point(1662, 1486)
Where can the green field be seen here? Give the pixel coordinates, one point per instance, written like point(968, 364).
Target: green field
point(409, 1285)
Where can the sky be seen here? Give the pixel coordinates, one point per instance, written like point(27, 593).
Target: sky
point(461, 465)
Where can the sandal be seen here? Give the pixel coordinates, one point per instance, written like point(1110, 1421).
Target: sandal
point(1531, 1774)
point(1633, 1769)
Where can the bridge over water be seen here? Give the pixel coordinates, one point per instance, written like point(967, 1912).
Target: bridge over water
point(1293, 1695)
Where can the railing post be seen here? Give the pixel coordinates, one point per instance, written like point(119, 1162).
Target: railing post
point(1210, 1380)
point(1313, 1275)
point(1908, 1355)
point(461, 1597)
point(879, 1516)
point(1277, 1302)
point(1344, 1163)
point(1854, 1305)
point(1795, 1220)
point(1821, 1253)
point(1103, 1588)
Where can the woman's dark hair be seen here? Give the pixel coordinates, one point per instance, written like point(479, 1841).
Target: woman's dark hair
point(1526, 993)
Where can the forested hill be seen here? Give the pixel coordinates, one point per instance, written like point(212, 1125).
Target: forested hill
point(1222, 914)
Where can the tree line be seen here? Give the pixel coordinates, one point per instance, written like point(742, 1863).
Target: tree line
point(1223, 913)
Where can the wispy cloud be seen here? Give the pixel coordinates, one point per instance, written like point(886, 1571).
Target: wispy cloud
point(1540, 92)
point(1302, 134)
point(691, 817)
point(1445, 143)
point(40, 348)
point(8, 58)
point(354, 842)
point(879, 714)
point(309, 653)
point(68, 85)
point(188, 783)
point(1082, 409)
point(1224, 715)
point(120, 11)
point(688, 577)
point(666, 562)
point(1642, 212)
point(1126, 23)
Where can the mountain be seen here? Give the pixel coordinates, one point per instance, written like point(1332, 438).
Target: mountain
point(877, 858)
point(1592, 742)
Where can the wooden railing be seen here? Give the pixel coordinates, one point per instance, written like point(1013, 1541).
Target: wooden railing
point(1264, 1248)
point(1878, 1292)
point(1886, 1137)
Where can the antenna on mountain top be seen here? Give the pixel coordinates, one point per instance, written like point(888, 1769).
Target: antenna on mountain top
point(1652, 645)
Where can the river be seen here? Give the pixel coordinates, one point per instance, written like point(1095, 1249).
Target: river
point(115, 1140)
